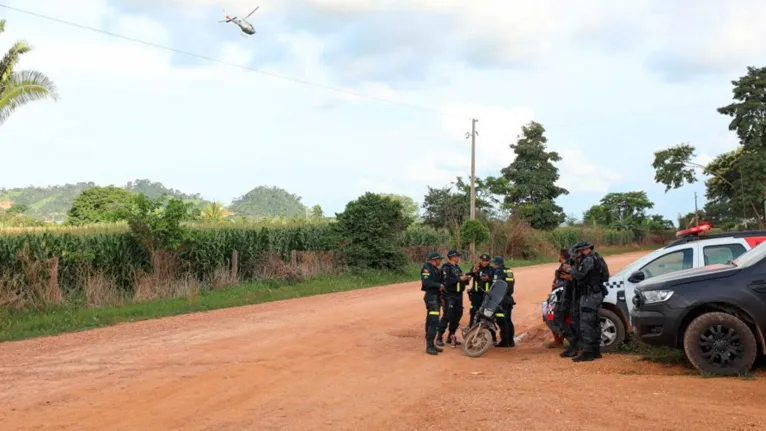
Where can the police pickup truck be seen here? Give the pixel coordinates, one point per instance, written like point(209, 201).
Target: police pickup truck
point(716, 313)
point(693, 249)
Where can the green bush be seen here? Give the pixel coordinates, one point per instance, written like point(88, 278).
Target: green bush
point(474, 231)
point(370, 228)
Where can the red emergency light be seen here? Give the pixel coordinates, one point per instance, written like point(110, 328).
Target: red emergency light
point(696, 230)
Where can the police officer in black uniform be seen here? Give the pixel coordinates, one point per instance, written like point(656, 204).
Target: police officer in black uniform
point(432, 284)
point(587, 276)
point(455, 283)
point(503, 314)
point(482, 281)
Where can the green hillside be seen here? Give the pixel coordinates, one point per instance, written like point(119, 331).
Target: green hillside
point(265, 201)
point(55, 201)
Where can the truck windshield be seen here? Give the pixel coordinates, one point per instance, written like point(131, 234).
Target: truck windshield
point(750, 257)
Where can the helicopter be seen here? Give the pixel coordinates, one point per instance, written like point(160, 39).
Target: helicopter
point(242, 23)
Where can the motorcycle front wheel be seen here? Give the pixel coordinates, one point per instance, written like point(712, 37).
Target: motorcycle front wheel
point(477, 341)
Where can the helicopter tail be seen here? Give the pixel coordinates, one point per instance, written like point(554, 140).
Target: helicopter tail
point(226, 17)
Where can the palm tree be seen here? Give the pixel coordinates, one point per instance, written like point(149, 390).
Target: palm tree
point(215, 212)
point(22, 87)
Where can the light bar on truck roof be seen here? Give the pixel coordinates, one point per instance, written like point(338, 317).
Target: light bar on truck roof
point(694, 230)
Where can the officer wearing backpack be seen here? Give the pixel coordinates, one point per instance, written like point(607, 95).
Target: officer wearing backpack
point(590, 273)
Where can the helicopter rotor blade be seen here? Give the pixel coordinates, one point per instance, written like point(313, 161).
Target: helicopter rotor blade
point(248, 15)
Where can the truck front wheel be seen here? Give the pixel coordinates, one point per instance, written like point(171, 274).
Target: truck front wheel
point(612, 331)
point(719, 343)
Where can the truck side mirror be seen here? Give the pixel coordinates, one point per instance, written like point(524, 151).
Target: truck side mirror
point(637, 277)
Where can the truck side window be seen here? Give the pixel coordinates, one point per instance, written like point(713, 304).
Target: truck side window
point(722, 254)
point(671, 262)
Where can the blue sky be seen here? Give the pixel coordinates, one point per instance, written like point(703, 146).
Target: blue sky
point(611, 83)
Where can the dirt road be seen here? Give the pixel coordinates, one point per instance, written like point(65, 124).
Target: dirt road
point(348, 361)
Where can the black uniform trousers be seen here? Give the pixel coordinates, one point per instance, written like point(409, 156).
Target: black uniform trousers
point(453, 312)
point(431, 300)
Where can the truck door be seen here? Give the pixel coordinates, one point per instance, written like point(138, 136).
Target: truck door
point(721, 252)
point(676, 259)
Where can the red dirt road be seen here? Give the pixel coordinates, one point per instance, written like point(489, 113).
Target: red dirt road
point(349, 361)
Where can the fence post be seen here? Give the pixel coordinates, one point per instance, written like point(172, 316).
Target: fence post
point(294, 258)
point(54, 293)
point(234, 266)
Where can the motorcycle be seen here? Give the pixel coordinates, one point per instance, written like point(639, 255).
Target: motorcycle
point(477, 338)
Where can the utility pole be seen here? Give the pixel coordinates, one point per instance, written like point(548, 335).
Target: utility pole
point(696, 212)
point(472, 135)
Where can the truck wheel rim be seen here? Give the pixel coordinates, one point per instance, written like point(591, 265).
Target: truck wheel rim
point(721, 346)
point(608, 332)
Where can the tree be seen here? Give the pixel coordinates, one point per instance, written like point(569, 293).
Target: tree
point(596, 215)
point(411, 208)
point(269, 202)
point(215, 213)
point(749, 111)
point(22, 87)
point(448, 207)
point(100, 205)
point(370, 228)
point(656, 223)
point(157, 224)
point(626, 206)
point(317, 213)
point(736, 178)
point(17, 209)
point(530, 189)
point(474, 231)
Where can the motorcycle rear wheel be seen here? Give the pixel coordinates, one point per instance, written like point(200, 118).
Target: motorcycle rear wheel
point(477, 341)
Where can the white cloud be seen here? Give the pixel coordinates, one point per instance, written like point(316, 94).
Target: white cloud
point(578, 175)
point(497, 128)
point(128, 111)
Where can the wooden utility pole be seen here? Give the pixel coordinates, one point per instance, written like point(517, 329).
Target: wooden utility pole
point(472, 135)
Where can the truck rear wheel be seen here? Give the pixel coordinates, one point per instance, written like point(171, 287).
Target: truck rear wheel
point(720, 343)
point(612, 331)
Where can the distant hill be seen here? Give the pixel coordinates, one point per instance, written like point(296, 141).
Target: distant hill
point(54, 201)
point(269, 202)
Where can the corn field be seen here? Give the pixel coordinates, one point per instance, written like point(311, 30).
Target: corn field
point(111, 251)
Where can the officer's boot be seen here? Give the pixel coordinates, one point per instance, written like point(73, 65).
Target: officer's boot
point(453, 340)
point(597, 353)
point(584, 357)
point(570, 352)
point(431, 349)
point(440, 339)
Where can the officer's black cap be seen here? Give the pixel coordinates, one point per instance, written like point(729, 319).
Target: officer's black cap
point(485, 256)
point(582, 245)
point(434, 256)
point(498, 260)
point(453, 253)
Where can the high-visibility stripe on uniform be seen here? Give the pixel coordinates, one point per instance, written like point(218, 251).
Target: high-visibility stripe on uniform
point(499, 314)
point(433, 313)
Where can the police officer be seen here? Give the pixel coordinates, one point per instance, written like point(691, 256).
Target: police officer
point(503, 314)
point(482, 281)
point(455, 283)
point(563, 306)
point(432, 285)
point(587, 276)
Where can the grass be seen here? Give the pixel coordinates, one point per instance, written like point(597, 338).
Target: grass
point(72, 317)
point(657, 355)
point(17, 325)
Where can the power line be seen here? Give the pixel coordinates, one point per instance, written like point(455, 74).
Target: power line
point(225, 63)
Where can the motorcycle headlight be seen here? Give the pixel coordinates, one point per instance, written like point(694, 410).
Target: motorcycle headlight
point(487, 313)
point(656, 296)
